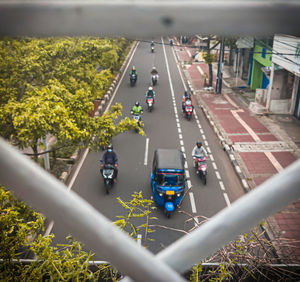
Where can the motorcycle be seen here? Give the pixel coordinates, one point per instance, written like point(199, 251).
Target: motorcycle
point(171, 42)
point(201, 168)
point(138, 120)
point(154, 79)
point(133, 79)
point(108, 173)
point(188, 109)
point(150, 102)
point(152, 49)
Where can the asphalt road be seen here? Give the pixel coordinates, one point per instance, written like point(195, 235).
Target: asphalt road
point(163, 129)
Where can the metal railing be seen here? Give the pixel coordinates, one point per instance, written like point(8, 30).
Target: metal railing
point(51, 197)
point(147, 18)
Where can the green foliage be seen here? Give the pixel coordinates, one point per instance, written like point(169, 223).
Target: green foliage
point(137, 207)
point(69, 262)
point(18, 224)
point(48, 87)
point(208, 57)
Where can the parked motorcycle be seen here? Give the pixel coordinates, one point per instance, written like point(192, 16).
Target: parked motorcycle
point(201, 168)
point(188, 109)
point(150, 102)
point(154, 79)
point(133, 79)
point(108, 173)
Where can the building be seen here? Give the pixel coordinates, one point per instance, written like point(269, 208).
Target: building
point(283, 95)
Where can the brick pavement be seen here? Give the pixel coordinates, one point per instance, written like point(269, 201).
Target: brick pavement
point(239, 126)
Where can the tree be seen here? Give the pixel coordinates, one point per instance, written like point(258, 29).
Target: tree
point(209, 58)
point(48, 86)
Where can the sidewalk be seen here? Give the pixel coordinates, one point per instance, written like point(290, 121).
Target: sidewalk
point(261, 145)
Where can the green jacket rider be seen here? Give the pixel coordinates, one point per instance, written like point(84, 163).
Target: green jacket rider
point(136, 109)
point(133, 71)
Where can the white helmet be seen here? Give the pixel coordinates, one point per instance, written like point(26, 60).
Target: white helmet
point(150, 88)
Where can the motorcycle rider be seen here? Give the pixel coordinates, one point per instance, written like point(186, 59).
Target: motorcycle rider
point(110, 157)
point(133, 71)
point(186, 97)
point(137, 109)
point(198, 152)
point(154, 72)
point(152, 43)
point(150, 94)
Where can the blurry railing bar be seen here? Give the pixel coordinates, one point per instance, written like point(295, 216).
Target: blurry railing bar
point(144, 19)
point(50, 196)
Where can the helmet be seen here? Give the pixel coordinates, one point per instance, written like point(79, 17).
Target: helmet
point(199, 144)
point(150, 88)
point(133, 67)
point(153, 68)
point(109, 148)
point(137, 103)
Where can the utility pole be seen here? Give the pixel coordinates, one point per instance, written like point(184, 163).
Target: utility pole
point(220, 68)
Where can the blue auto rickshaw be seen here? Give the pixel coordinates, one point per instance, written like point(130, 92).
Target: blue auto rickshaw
point(168, 178)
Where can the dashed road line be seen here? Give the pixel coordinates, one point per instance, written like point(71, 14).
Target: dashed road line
point(218, 175)
point(192, 200)
point(226, 199)
point(214, 166)
point(222, 185)
point(146, 151)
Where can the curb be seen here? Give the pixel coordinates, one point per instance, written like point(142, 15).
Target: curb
point(105, 99)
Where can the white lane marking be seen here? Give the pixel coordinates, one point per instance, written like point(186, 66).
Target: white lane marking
point(203, 137)
point(188, 51)
point(139, 239)
point(208, 150)
point(121, 79)
point(51, 224)
point(218, 175)
point(192, 199)
point(230, 100)
point(200, 70)
point(211, 157)
point(178, 123)
point(222, 185)
point(215, 166)
point(206, 143)
point(201, 131)
point(245, 125)
point(274, 162)
point(146, 151)
point(226, 199)
point(196, 221)
point(186, 165)
point(86, 151)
